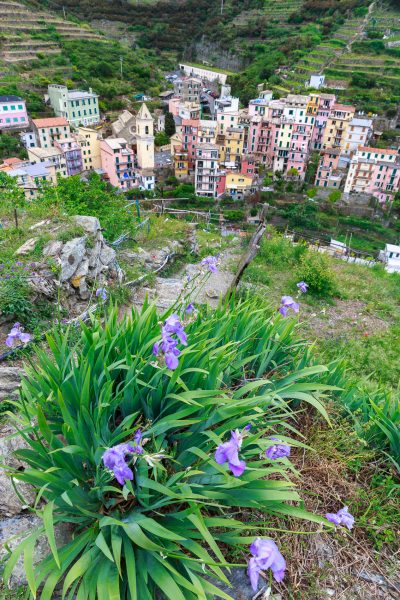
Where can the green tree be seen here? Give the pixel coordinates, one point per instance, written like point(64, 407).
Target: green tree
point(169, 124)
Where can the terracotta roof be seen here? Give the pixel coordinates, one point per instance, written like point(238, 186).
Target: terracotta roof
point(345, 107)
point(12, 161)
point(51, 122)
point(377, 150)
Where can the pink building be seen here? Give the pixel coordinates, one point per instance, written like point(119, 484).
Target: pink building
point(327, 172)
point(190, 129)
point(13, 113)
point(299, 148)
point(325, 103)
point(117, 161)
point(374, 171)
point(73, 155)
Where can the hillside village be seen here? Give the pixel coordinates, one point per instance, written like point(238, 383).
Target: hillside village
point(199, 300)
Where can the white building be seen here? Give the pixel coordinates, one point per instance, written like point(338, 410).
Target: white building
point(204, 73)
point(316, 81)
point(357, 133)
point(391, 256)
point(206, 170)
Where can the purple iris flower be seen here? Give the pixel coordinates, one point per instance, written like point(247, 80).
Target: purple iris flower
point(303, 287)
point(229, 452)
point(115, 458)
point(277, 450)
point(211, 263)
point(189, 309)
point(102, 292)
point(168, 344)
point(17, 333)
point(266, 555)
point(342, 517)
point(286, 303)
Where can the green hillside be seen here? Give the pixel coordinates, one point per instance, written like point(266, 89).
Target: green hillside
point(40, 47)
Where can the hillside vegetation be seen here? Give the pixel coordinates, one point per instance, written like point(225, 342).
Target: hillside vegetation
point(38, 48)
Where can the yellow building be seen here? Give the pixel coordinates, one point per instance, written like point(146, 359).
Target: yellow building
point(231, 145)
point(312, 105)
point(336, 126)
point(181, 164)
point(238, 185)
point(175, 142)
point(89, 141)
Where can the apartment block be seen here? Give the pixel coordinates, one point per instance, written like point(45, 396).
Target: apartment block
point(13, 113)
point(206, 170)
point(118, 163)
point(48, 131)
point(188, 89)
point(89, 142)
point(77, 106)
point(374, 171)
point(31, 177)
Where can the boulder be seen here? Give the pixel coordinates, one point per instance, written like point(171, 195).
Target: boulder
point(10, 380)
point(91, 225)
point(27, 523)
point(40, 224)
point(72, 255)
point(52, 248)
point(107, 256)
point(11, 504)
point(27, 247)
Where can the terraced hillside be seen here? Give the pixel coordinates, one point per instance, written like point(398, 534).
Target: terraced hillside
point(361, 61)
point(38, 47)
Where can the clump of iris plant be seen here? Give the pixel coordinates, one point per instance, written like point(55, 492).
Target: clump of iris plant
point(229, 452)
point(115, 458)
point(211, 263)
point(342, 517)
point(287, 303)
point(266, 555)
point(190, 308)
point(169, 344)
point(102, 293)
point(17, 335)
point(278, 450)
point(302, 287)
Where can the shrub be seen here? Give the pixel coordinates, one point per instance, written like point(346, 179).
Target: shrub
point(316, 271)
point(165, 530)
point(277, 250)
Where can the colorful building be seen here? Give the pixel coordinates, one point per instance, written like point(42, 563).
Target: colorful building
point(32, 177)
point(89, 141)
point(53, 155)
point(77, 106)
point(181, 164)
point(357, 134)
point(118, 162)
point(13, 113)
point(374, 171)
point(336, 126)
point(145, 138)
point(188, 89)
point(328, 174)
point(206, 170)
point(72, 154)
point(48, 131)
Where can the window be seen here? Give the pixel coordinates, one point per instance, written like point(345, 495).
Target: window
point(5, 108)
point(20, 107)
point(12, 106)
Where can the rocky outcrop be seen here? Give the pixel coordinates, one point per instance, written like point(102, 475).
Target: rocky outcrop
point(11, 504)
point(26, 523)
point(152, 260)
point(10, 379)
point(83, 262)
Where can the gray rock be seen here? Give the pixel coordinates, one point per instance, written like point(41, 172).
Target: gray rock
point(72, 255)
point(91, 225)
point(27, 247)
point(83, 269)
point(107, 256)
point(10, 504)
point(43, 285)
point(94, 254)
point(52, 248)
point(10, 380)
point(40, 224)
point(27, 523)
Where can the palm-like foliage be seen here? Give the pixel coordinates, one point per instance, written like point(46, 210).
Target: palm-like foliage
point(166, 529)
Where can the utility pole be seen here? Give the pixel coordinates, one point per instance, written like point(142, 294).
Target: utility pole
point(65, 15)
point(121, 60)
point(222, 6)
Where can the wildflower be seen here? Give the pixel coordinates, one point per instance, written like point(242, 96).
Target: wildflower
point(102, 292)
point(286, 303)
point(211, 263)
point(189, 309)
point(342, 517)
point(19, 264)
point(303, 287)
point(16, 334)
point(266, 555)
point(229, 452)
point(168, 344)
point(277, 450)
point(115, 458)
